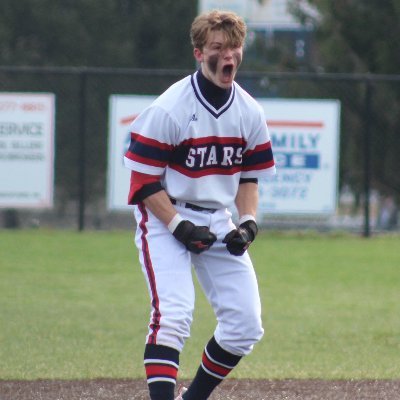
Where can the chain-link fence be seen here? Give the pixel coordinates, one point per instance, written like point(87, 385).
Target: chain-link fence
point(369, 183)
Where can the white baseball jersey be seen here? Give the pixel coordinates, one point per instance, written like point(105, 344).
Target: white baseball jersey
point(199, 151)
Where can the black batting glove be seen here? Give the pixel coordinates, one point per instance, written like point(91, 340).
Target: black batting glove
point(239, 240)
point(195, 238)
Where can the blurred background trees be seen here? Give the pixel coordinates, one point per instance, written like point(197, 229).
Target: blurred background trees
point(346, 36)
point(357, 36)
point(118, 33)
point(363, 37)
point(341, 36)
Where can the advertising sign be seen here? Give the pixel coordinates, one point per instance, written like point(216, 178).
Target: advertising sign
point(26, 150)
point(305, 142)
point(123, 110)
point(304, 135)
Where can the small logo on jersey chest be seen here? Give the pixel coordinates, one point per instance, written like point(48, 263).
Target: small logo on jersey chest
point(193, 118)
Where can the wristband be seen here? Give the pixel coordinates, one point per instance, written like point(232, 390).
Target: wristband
point(246, 217)
point(174, 222)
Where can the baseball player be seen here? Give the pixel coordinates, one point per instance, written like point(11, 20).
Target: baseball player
point(196, 151)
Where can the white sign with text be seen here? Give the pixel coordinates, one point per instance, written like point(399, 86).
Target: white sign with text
point(123, 110)
point(305, 142)
point(26, 150)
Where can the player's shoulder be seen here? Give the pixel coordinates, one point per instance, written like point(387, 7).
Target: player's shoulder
point(165, 109)
point(244, 95)
point(174, 94)
point(247, 101)
point(175, 101)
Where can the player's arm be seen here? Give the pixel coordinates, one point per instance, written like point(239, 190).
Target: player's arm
point(247, 198)
point(160, 205)
point(147, 189)
point(238, 240)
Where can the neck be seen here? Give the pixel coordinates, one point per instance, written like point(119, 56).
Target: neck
point(214, 94)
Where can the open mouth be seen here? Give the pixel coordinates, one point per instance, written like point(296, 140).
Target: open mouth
point(227, 70)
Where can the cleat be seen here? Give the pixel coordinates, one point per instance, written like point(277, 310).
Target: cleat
point(181, 391)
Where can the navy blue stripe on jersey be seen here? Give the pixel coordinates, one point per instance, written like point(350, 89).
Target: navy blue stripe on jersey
point(206, 104)
point(148, 151)
point(208, 156)
point(260, 157)
point(156, 315)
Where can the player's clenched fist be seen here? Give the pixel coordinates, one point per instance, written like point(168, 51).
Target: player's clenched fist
point(238, 240)
point(195, 238)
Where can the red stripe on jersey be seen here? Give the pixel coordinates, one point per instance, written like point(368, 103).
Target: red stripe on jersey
point(260, 147)
point(161, 370)
point(206, 171)
point(144, 160)
point(138, 180)
point(150, 142)
point(213, 140)
point(215, 368)
point(155, 302)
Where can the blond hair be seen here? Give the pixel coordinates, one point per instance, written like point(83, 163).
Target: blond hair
point(230, 23)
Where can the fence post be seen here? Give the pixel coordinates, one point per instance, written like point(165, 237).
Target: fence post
point(367, 157)
point(82, 150)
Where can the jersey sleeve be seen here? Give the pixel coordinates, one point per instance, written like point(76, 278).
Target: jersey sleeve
point(152, 141)
point(142, 186)
point(258, 159)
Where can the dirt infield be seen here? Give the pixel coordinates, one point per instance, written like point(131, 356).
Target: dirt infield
point(128, 389)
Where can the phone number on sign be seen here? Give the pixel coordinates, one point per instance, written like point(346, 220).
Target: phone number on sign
point(286, 192)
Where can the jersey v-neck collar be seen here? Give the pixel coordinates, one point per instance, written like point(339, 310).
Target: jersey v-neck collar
point(215, 99)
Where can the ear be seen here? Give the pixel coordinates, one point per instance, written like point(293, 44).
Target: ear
point(198, 55)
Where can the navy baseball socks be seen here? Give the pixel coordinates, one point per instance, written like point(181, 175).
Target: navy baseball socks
point(216, 364)
point(161, 365)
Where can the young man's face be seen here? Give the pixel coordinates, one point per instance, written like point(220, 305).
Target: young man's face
point(219, 63)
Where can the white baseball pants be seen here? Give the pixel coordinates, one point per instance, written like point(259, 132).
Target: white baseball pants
point(229, 283)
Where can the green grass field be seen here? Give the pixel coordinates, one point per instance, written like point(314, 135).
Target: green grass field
point(75, 306)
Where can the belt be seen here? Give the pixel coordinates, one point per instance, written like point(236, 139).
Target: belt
point(192, 206)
